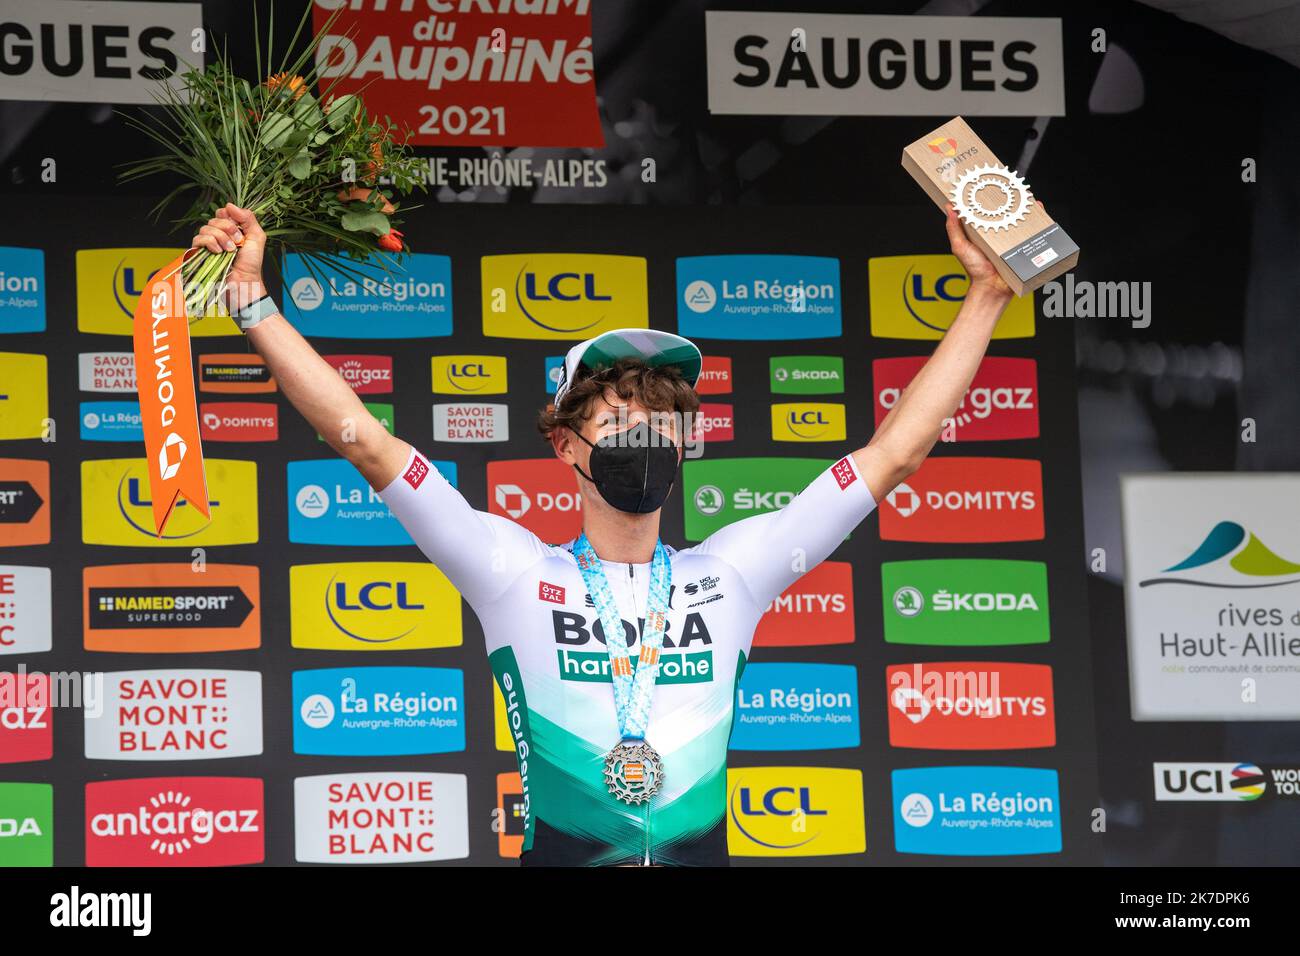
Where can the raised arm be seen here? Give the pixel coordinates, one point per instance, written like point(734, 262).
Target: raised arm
point(913, 425)
point(309, 382)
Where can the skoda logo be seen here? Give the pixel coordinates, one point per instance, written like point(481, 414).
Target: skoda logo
point(709, 499)
point(908, 601)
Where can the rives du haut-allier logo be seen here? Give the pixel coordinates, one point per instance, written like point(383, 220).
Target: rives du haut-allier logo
point(1251, 566)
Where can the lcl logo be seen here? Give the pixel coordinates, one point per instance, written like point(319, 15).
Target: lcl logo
point(561, 287)
point(375, 596)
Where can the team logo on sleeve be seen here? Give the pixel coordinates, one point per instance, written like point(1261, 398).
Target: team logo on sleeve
point(416, 474)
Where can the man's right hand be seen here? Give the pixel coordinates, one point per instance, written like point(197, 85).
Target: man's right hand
point(230, 230)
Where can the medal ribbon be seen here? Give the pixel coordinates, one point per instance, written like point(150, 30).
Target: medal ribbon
point(632, 689)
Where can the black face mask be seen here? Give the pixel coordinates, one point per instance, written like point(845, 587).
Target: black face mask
point(636, 474)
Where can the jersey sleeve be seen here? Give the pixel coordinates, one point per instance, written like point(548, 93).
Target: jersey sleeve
point(480, 553)
point(774, 549)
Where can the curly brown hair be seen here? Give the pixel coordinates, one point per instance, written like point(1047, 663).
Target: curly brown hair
point(659, 389)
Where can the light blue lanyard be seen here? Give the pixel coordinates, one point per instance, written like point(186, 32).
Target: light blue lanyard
point(633, 688)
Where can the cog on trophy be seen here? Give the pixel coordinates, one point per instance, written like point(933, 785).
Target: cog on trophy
point(991, 197)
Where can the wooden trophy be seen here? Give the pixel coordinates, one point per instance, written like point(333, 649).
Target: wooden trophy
point(1024, 243)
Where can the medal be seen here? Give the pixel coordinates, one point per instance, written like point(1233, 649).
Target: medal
point(634, 771)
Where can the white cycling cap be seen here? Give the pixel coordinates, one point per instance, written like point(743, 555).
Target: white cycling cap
point(653, 347)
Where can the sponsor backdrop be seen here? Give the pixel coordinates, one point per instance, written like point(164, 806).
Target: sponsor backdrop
point(293, 683)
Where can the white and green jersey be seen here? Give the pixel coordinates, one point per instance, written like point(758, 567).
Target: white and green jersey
point(547, 650)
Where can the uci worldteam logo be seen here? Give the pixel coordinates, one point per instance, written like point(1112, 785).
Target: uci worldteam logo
point(795, 811)
point(379, 711)
point(758, 297)
point(808, 422)
point(110, 283)
point(373, 606)
point(563, 295)
point(22, 289)
point(976, 811)
point(413, 302)
point(796, 707)
point(917, 297)
point(117, 509)
point(469, 374)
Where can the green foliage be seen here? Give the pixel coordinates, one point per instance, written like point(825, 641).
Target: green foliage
point(272, 147)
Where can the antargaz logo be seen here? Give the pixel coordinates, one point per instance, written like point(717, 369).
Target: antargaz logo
point(563, 295)
point(373, 606)
point(917, 297)
point(1253, 560)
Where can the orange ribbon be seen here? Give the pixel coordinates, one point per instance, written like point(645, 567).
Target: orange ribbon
point(168, 407)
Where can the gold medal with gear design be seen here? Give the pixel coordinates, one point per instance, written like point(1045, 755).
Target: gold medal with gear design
point(633, 771)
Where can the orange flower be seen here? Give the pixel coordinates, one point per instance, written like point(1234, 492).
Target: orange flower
point(362, 193)
point(296, 84)
point(391, 242)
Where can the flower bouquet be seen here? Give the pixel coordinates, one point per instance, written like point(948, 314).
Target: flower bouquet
point(308, 168)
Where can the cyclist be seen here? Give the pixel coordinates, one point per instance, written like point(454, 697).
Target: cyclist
point(618, 656)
